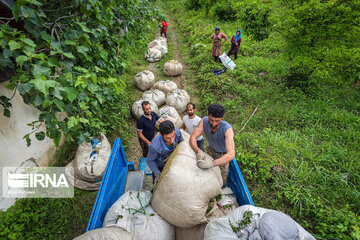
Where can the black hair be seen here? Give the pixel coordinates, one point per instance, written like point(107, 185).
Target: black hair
point(144, 103)
point(216, 110)
point(191, 104)
point(166, 127)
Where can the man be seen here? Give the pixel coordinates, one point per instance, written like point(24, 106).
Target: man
point(162, 146)
point(146, 127)
point(220, 136)
point(191, 121)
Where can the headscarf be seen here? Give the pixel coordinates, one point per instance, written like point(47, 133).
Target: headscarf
point(236, 36)
point(217, 28)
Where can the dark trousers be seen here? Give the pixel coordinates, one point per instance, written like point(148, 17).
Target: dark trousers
point(235, 54)
point(144, 147)
point(200, 144)
point(217, 59)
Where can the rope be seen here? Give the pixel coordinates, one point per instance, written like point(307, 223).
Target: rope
point(141, 209)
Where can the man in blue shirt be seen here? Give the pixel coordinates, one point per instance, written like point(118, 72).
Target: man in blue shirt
point(220, 137)
point(146, 127)
point(162, 146)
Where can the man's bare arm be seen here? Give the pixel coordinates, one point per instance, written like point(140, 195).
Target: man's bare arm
point(198, 131)
point(230, 148)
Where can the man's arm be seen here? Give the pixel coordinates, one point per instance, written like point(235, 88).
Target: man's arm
point(151, 161)
point(198, 131)
point(230, 148)
point(157, 118)
point(142, 137)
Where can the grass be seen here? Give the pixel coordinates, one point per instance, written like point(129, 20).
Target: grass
point(300, 152)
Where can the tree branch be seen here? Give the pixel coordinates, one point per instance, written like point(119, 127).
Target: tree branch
point(249, 119)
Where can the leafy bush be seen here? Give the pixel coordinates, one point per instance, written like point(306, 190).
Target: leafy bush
point(255, 17)
point(69, 61)
point(223, 10)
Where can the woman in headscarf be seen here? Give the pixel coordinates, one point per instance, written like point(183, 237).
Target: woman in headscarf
point(217, 43)
point(235, 43)
point(163, 29)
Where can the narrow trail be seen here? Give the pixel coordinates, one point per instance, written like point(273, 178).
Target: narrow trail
point(134, 152)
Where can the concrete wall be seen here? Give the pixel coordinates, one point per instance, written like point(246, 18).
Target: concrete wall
point(13, 149)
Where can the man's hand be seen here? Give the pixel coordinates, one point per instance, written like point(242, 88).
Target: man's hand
point(200, 155)
point(205, 163)
point(156, 181)
point(148, 143)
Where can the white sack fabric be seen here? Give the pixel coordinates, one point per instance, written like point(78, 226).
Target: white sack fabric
point(226, 60)
point(155, 95)
point(133, 213)
point(144, 80)
point(173, 68)
point(137, 110)
point(153, 55)
point(183, 192)
point(165, 86)
point(265, 224)
point(90, 163)
point(170, 113)
point(178, 99)
point(107, 233)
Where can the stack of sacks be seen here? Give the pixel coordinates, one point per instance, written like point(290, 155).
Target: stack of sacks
point(90, 163)
point(184, 190)
point(132, 212)
point(156, 49)
point(137, 110)
point(262, 224)
point(178, 99)
point(170, 113)
point(144, 80)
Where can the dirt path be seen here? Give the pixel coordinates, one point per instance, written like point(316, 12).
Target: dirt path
point(180, 80)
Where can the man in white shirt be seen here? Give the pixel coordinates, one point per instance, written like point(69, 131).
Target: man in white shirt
point(191, 121)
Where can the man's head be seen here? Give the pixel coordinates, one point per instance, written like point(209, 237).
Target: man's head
point(167, 131)
point(146, 107)
point(216, 113)
point(190, 109)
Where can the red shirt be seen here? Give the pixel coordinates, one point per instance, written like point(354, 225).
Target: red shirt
point(164, 24)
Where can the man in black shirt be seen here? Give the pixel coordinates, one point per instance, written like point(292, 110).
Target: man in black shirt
point(146, 127)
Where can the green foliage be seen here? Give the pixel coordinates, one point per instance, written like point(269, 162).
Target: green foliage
point(70, 61)
point(223, 10)
point(322, 41)
point(44, 218)
point(299, 153)
point(246, 220)
point(256, 18)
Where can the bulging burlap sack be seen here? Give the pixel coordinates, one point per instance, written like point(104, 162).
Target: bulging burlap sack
point(194, 233)
point(137, 110)
point(183, 192)
point(163, 40)
point(178, 99)
point(155, 95)
point(220, 228)
point(153, 55)
point(133, 213)
point(173, 68)
point(107, 233)
point(157, 42)
point(144, 80)
point(162, 48)
point(165, 86)
point(170, 113)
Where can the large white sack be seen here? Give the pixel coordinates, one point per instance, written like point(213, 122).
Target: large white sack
point(88, 172)
point(178, 99)
point(165, 86)
point(153, 55)
point(79, 183)
point(107, 233)
point(155, 95)
point(132, 211)
point(144, 80)
point(170, 113)
point(220, 228)
point(157, 42)
point(137, 110)
point(223, 206)
point(162, 48)
point(163, 40)
point(226, 60)
point(173, 68)
point(193, 233)
point(183, 192)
